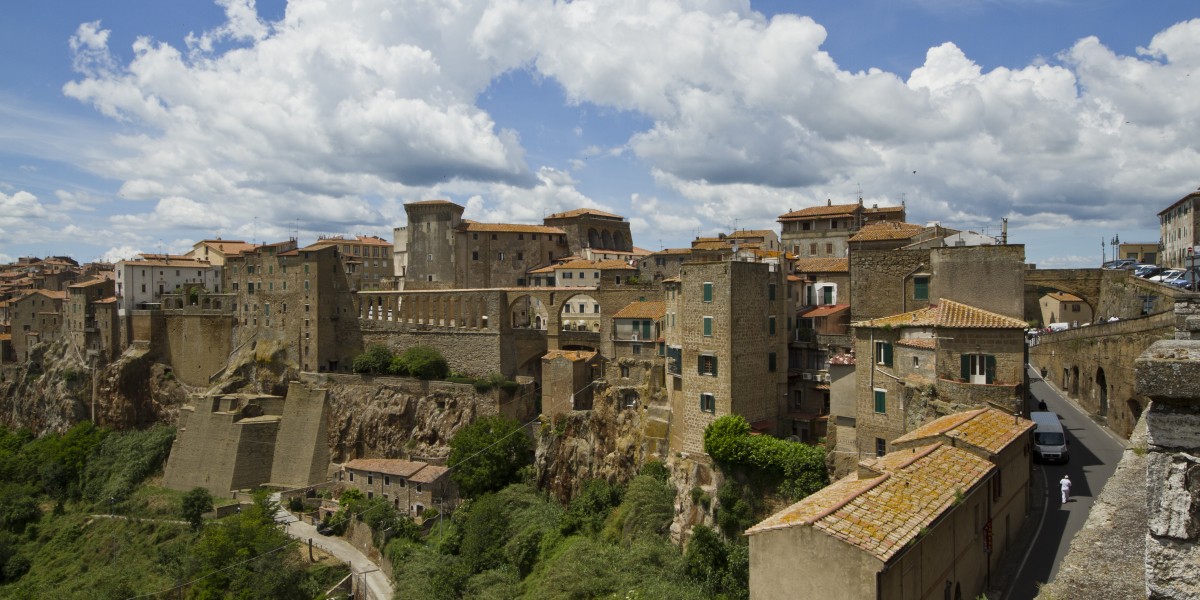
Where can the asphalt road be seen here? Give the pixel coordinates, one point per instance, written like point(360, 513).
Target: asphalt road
point(1095, 452)
point(379, 587)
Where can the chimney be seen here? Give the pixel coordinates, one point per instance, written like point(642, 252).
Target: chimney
point(828, 202)
point(1004, 231)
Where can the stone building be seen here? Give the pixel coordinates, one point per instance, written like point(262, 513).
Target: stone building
point(143, 281)
point(726, 345)
point(297, 301)
point(588, 228)
point(568, 378)
point(1178, 231)
point(664, 264)
point(366, 260)
point(592, 273)
point(411, 486)
point(217, 250)
point(1061, 307)
point(34, 318)
point(1143, 252)
point(932, 520)
point(91, 326)
point(823, 231)
point(944, 358)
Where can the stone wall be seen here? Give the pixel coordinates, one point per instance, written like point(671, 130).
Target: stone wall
point(1091, 364)
point(880, 282)
point(195, 345)
point(302, 457)
point(987, 277)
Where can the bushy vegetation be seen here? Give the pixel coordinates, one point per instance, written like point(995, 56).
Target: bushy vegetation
point(422, 362)
point(488, 454)
point(799, 469)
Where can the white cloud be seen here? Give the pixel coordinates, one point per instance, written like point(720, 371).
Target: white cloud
point(115, 254)
point(19, 207)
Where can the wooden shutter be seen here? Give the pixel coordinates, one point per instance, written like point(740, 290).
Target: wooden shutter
point(966, 367)
point(990, 368)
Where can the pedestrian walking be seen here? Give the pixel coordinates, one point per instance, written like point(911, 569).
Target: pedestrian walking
point(1064, 484)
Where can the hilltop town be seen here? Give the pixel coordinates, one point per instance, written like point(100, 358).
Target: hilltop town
point(897, 352)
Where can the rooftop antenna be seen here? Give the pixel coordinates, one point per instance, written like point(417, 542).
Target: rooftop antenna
point(255, 232)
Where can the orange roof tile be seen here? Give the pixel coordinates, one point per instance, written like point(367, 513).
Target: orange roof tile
point(924, 343)
point(429, 474)
point(603, 265)
point(822, 265)
point(539, 270)
point(1065, 297)
point(830, 210)
point(642, 310)
point(824, 311)
point(881, 515)
point(743, 233)
point(510, 228)
point(883, 209)
point(987, 428)
point(886, 230)
point(387, 466)
point(571, 355)
point(87, 283)
point(430, 203)
point(582, 211)
point(947, 313)
point(190, 263)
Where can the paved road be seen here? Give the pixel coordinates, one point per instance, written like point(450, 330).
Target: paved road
point(1095, 452)
point(378, 584)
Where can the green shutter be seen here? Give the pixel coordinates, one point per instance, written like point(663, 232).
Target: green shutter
point(966, 367)
point(700, 364)
point(880, 401)
point(771, 325)
point(714, 366)
point(707, 326)
point(646, 330)
point(990, 366)
point(707, 292)
point(921, 288)
point(887, 354)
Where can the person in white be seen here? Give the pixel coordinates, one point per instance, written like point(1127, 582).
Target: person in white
point(1064, 484)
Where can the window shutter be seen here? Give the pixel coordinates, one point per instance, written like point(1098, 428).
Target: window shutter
point(966, 367)
point(990, 365)
point(646, 330)
point(700, 364)
point(708, 292)
point(887, 354)
point(714, 366)
point(880, 401)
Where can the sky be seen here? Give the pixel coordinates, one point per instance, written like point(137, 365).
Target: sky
point(145, 126)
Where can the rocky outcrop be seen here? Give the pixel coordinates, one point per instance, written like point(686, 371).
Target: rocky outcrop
point(50, 392)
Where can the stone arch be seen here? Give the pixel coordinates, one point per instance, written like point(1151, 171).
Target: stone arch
point(1102, 391)
point(528, 312)
point(576, 313)
point(619, 241)
point(593, 238)
point(606, 239)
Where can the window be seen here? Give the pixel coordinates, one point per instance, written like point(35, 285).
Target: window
point(493, 236)
point(500, 256)
point(708, 291)
point(351, 475)
point(706, 364)
point(520, 256)
point(566, 275)
point(978, 368)
point(475, 255)
point(829, 249)
point(624, 371)
point(637, 348)
point(596, 309)
point(880, 401)
point(880, 447)
point(595, 274)
point(812, 249)
point(771, 362)
point(771, 325)
point(920, 288)
point(1074, 308)
point(771, 292)
point(708, 326)
point(708, 403)
point(370, 478)
point(883, 353)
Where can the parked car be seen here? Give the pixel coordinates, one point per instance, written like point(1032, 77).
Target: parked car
point(1166, 274)
point(1122, 263)
point(1146, 271)
point(1185, 280)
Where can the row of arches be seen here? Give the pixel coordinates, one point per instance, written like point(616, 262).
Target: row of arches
point(608, 240)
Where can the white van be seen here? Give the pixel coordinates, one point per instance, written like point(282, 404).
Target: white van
point(1049, 439)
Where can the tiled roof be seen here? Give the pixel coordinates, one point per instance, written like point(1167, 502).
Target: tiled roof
point(190, 263)
point(642, 310)
point(925, 343)
point(742, 233)
point(886, 230)
point(881, 515)
point(108, 300)
point(571, 355)
point(883, 209)
point(386, 466)
point(583, 211)
point(88, 283)
point(510, 228)
point(366, 240)
point(947, 313)
point(711, 245)
point(431, 203)
point(831, 210)
point(986, 428)
point(540, 270)
point(842, 359)
point(603, 265)
point(1065, 297)
point(429, 474)
point(228, 246)
point(824, 311)
point(47, 293)
point(822, 265)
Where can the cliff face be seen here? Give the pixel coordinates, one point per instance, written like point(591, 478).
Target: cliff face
point(48, 393)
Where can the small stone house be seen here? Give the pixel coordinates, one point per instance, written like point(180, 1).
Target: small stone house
point(411, 486)
point(1061, 307)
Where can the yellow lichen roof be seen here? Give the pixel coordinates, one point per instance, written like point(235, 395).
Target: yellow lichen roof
point(829, 210)
point(571, 355)
point(510, 228)
point(540, 270)
point(642, 310)
point(881, 515)
point(711, 246)
point(822, 265)
point(191, 263)
point(947, 313)
point(583, 211)
point(387, 466)
point(603, 265)
point(1065, 297)
point(886, 230)
point(987, 428)
point(672, 251)
point(925, 343)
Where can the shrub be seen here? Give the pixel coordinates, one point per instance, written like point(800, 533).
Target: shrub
point(800, 466)
point(656, 469)
point(375, 360)
point(193, 506)
point(488, 455)
point(425, 362)
point(588, 510)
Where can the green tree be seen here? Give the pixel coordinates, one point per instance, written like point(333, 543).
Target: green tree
point(424, 362)
point(374, 361)
point(194, 504)
point(488, 455)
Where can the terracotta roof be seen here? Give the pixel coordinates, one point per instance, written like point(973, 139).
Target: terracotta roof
point(880, 515)
point(571, 355)
point(429, 474)
point(190, 263)
point(830, 210)
point(227, 246)
point(947, 313)
point(822, 265)
point(108, 300)
point(5, 337)
point(510, 228)
point(365, 240)
point(821, 386)
point(88, 283)
point(386, 466)
point(794, 278)
point(47, 293)
point(582, 211)
point(883, 209)
point(711, 245)
point(986, 428)
point(1065, 297)
point(642, 310)
point(925, 343)
point(762, 233)
point(824, 311)
point(886, 230)
point(431, 203)
point(603, 265)
point(842, 359)
point(671, 251)
point(539, 270)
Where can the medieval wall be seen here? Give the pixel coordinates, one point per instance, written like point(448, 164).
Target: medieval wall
point(195, 345)
point(987, 277)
